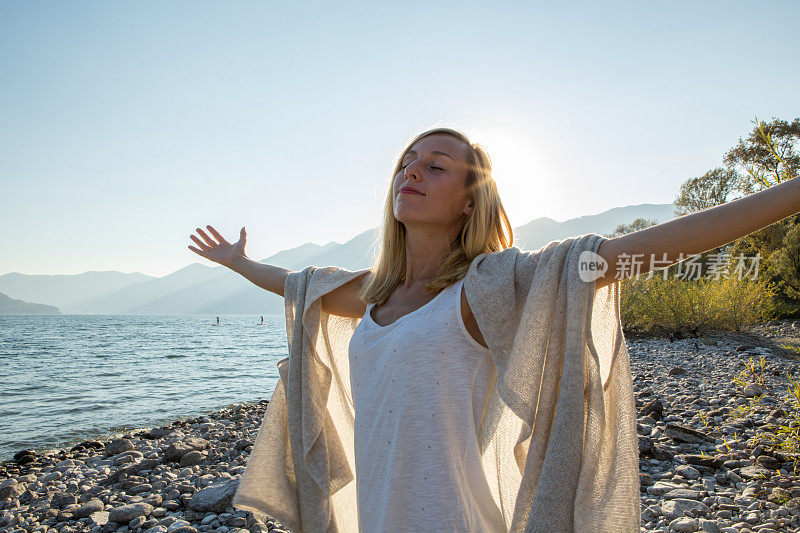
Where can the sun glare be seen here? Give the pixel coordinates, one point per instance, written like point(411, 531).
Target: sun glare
point(526, 185)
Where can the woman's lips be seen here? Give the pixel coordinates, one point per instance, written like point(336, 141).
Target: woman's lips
point(410, 191)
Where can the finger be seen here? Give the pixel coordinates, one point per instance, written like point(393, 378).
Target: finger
point(216, 234)
point(211, 242)
point(199, 243)
point(198, 252)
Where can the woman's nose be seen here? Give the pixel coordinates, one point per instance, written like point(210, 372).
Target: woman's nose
point(411, 171)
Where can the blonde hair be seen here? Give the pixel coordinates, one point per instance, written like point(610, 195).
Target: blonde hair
point(486, 230)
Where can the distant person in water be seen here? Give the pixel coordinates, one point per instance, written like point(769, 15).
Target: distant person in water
point(218, 321)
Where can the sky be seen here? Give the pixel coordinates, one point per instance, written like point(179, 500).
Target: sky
point(126, 125)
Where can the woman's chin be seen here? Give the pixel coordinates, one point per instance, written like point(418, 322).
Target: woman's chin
point(407, 217)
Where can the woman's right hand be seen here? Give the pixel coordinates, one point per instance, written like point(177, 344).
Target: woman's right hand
point(221, 252)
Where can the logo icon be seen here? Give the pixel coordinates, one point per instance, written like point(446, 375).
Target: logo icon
point(591, 266)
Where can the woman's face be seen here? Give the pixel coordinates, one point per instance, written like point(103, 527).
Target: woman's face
point(437, 167)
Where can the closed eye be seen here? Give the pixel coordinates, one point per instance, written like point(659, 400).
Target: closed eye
point(432, 168)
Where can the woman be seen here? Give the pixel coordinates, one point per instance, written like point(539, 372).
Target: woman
point(417, 456)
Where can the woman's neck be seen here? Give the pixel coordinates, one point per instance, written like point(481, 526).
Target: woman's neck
point(425, 254)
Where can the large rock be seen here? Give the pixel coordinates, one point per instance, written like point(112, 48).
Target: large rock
point(752, 390)
point(654, 409)
point(686, 494)
point(157, 433)
point(675, 508)
point(178, 449)
point(683, 524)
point(11, 490)
point(92, 506)
point(214, 498)
point(118, 446)
point(659, 488)
point(686, 434)
point(660, 453)
point(62, 499)
point(755, 472)
point(64, 465)
point(700, 460)
point(24, 457)
point(767, 461)
point(710, 526)
point(99, 518)
point(126, 513)
point(192, 458)
point(687, 472)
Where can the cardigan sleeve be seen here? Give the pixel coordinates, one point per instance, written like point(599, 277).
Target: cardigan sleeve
point(268, 487)
point(307, 446)
point(560, 436)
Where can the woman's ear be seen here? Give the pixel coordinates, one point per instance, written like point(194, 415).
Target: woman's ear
point(469, 207)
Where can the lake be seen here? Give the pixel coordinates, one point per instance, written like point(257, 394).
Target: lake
point(68, 378)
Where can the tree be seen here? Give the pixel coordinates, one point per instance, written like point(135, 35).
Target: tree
point(709, 190)
point(786, 261)
point(767, 157)
point(636, 225)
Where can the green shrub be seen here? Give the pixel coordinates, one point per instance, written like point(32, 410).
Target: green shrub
point(785, 263)
point(661, 305)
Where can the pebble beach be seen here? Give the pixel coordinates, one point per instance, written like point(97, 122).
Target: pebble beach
point(709, 433)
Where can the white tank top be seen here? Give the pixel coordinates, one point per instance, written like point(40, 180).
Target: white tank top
point(419, 388)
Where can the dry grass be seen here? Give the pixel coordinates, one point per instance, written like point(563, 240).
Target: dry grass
point(658, 305)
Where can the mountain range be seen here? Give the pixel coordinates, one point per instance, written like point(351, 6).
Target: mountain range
point(10, 306)
point(200, 288)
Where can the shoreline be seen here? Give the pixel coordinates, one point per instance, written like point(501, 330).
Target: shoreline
point(695, 476)
point(117, 432)
point(146, 479)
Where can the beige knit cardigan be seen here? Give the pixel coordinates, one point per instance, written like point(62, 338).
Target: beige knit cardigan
point(558, 436)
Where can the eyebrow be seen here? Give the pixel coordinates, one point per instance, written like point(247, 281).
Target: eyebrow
point(435, 152)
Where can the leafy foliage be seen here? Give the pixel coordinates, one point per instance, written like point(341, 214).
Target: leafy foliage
point(636, 225)
point(765, 158)
point(659, 305)
point(785, 263)
point(709, 190)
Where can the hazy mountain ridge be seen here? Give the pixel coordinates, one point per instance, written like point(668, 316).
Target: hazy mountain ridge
point(199, 288)
point(10, 306)
point(540, 231)
point(69, 292)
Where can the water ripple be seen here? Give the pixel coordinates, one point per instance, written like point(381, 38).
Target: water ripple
point(71, 377)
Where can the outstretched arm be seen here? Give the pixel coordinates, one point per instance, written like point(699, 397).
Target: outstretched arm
point(343, 301)
point(219, 250)
point(699, 232)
